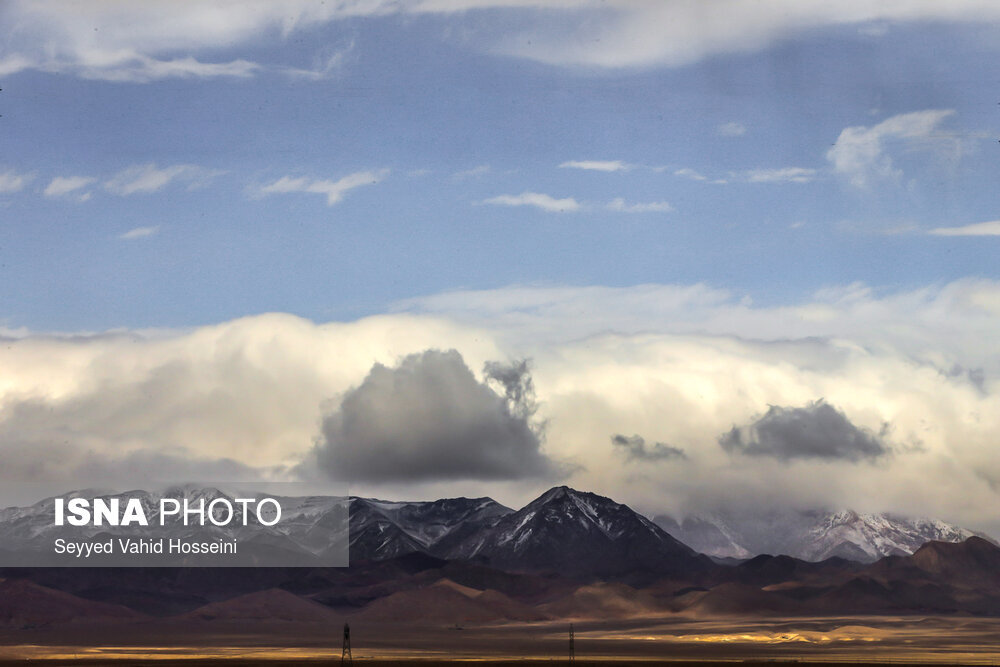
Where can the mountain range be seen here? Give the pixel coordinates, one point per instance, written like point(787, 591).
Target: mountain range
point(567, 554)
point(563, 530)
point(562, 520)
point(572, 532)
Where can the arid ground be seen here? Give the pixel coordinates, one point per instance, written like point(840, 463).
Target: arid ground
point(953, 640)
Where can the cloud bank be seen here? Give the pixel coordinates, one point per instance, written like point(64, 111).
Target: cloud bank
point(683, 362)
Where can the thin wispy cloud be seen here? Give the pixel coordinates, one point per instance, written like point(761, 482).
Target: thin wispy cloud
point(991, 228)
point(691, 174)
point(323, 66)
point(620, 205)
point(149, 178)
point(141, 69)
point(731, 129)
point(861, 154)
point(139, 233)
point(597, 165)
point(11, 181)
point(782, 175)
point(61, 186)
point(537, 200)
point(474, 172)
point(333, 190)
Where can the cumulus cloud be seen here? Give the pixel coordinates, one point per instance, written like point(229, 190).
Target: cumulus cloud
point(11, 181)
point(991, 228)
point(429, 419)
point(60, 186)
point(334, 191)
point(684, 362)
point(251, 390)
point(596, 165)
point(636, 449)
point(861, 154)
point(149, 178)
point(537, 200)
point(620, 205)
point(816, 431)
point(782, 175)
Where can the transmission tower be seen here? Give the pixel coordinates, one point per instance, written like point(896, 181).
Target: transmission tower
point(345, 654)
point(572, 648)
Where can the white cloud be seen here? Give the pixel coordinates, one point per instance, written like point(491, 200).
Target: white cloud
point(991, 228)
point(253, 389)
point(61, 186)
point(683, 364)
point(860, 153)
point(11, 181)
point(691, 174)
point(139, 233)
point(142, 69)
point(674, 34)
point(334, 191)
point(597, 165)
point(132, 42)
point(148, 178)
point(783, 175)
point(619, 204)
point(731, 129)
point(538, 200)
point(139, 41)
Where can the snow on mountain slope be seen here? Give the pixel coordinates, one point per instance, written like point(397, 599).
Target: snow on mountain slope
point(810, 535)
point(575, 532)
point(383, 529)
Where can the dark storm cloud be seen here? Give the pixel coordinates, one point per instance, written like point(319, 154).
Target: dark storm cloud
point(429, 419)
point(636, 449)
point(816, 431)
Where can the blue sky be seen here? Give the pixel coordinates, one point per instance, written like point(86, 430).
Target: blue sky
point(447, 122)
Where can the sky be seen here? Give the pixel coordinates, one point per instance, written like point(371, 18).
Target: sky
point(685, 254)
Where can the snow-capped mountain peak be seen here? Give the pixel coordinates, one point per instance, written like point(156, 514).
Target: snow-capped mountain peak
point(810, 535)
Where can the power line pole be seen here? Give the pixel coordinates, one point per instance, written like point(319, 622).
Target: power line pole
point(572, 647)
point(345, 654)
